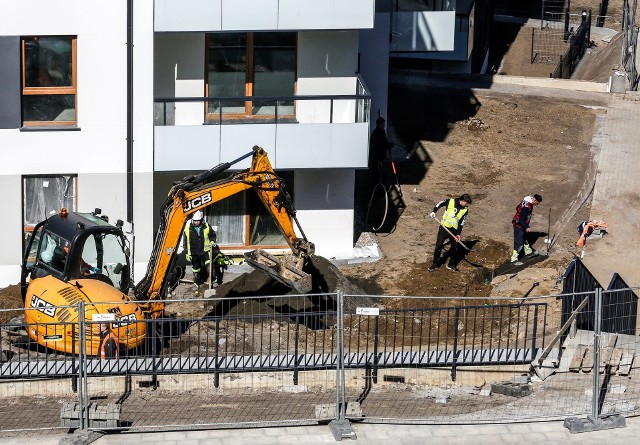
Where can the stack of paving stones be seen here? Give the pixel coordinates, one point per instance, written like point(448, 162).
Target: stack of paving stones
point(99, 416)
point(518, 387)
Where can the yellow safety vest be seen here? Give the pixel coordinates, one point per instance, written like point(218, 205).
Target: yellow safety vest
point(450, 219)
point(205, 233)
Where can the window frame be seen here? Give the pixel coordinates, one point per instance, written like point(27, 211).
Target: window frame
point(248, 85)
point(49, 90)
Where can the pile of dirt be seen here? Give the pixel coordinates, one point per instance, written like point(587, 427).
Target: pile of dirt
point(10, 298)
point(326, 279)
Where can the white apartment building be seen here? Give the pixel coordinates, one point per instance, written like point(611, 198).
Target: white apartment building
point(105, 104)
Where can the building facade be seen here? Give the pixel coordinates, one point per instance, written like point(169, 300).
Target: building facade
point(104, 105)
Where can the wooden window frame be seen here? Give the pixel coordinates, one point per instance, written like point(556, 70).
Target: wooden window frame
point(248, 86)
point(43, 91)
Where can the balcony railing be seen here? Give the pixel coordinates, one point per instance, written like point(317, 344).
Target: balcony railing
point(327, 108)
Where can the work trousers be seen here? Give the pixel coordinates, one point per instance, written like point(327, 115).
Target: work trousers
point(520, 238)
point(200, 268)
point(443, 236)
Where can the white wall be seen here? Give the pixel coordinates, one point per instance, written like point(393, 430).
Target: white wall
point(264, 15)
point(97, 150)
point(324, 204)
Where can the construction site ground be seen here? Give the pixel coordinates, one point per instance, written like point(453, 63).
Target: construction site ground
point(497, 142)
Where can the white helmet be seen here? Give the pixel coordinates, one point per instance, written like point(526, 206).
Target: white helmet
point(198, 215)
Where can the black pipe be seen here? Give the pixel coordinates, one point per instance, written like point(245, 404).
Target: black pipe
point(130, 111)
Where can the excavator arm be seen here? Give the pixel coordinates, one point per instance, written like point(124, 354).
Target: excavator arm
point(197, 192)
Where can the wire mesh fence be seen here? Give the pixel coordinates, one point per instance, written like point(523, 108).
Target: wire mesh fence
point(279, 360)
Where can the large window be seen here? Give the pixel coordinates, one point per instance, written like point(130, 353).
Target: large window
point(48, 80)
point(250, 64)
point(45, 194)
point(242, 219)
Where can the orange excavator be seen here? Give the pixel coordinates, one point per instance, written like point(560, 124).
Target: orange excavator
point(77, 257)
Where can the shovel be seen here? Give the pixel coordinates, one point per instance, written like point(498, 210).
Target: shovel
point(454, 237)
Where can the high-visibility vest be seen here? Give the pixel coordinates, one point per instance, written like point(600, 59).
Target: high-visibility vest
point(450, 218)
point(106, 338)
point(207, 242)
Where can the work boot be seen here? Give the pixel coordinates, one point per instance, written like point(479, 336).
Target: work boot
point(433, 267)
point(514, 256)
point(452, 268)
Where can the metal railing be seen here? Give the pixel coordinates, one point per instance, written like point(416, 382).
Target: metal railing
point(322, 108)
point(299, 359)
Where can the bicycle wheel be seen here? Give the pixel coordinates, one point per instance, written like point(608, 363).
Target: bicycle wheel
point(378, 207)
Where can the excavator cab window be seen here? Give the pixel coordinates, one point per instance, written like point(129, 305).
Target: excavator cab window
point(103, 257)
point(53, 251)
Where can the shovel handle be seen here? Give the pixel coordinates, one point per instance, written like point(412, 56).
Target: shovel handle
point(449, 232)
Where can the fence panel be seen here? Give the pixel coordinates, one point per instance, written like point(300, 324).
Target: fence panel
point(462, 364)
point(619, 391)
point(276, 361)
point(34, 381)
point(261, 361)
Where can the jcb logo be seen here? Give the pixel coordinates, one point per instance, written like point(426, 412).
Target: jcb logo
point(196, 202)
point(124, 321)
point(44, 307)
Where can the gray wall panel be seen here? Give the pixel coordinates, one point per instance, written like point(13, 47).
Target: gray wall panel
point(9, 82)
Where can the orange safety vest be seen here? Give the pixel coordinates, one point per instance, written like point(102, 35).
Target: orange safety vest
point(106, 338)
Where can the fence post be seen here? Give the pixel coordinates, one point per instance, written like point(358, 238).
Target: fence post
point(597, 325)
point(376, 336)
point(82, 370)
point(295, 351)
point(74, 377)
point(340, 426)
point(533, 33)
point(216, 372)
point(456, 319)
point(534, 334)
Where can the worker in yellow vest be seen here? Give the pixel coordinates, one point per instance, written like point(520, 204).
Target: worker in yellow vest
point(200, 241)
point(450, 229)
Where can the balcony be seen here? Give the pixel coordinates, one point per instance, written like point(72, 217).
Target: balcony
point(262, 15)
point(423, 26)
point(302, 131)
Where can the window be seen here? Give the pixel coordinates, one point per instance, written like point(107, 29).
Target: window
point(48, 80)
point(250, 64)
point(242, 219)
point(43, 194)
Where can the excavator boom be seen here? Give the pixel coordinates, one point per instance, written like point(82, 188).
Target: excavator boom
point(197, 192)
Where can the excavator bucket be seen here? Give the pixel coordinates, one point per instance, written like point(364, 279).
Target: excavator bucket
point(281, 270)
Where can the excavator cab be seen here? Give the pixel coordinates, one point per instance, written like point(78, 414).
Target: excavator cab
point(72, 246)
point(72, 258)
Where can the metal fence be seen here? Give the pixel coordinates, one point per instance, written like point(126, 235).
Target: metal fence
point(578, 42)
point(281, 360)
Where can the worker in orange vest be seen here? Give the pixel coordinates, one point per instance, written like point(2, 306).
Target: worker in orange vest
point(108, 342)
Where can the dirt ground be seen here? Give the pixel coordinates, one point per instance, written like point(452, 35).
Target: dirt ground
point(498, 148)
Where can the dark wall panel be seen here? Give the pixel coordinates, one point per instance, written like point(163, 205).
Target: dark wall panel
point(10, 82)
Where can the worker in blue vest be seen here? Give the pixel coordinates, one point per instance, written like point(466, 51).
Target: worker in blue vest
point(450, 229)
point(200, 243)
